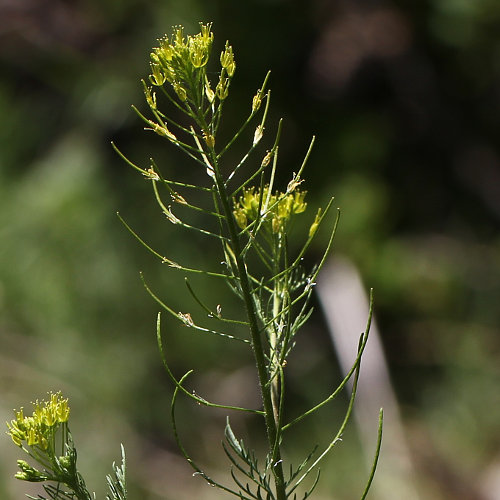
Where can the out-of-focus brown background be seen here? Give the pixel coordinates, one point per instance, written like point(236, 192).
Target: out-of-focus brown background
point(404, 100)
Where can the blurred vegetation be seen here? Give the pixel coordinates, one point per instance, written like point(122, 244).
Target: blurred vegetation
point(403, 97)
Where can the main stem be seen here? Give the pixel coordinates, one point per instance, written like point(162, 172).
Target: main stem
point(258, 350)
point(255, 335)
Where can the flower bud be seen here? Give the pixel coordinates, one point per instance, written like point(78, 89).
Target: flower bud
point(266, 160)
point(65, 461)
point(29, 473)
point(180, 91)
point(209, 140)
point(209, 92)
point(259, 132)
point(315, 224)
point(256, 102)
point(157, 77)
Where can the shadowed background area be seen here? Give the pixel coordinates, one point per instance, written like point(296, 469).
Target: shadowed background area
point(404, 100)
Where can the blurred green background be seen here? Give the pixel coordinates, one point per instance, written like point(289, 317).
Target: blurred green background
point(404, 100)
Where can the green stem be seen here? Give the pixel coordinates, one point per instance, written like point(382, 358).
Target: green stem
point(275, 329)
point(256, 340)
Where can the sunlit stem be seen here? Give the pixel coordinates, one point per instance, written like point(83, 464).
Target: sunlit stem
point(256, 339)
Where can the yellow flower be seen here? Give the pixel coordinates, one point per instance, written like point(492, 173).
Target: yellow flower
point(227, 60)
point(222, 88)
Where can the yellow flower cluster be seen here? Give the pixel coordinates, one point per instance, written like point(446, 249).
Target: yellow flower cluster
point(37, 429)
point(276, 209)
point(178, 57)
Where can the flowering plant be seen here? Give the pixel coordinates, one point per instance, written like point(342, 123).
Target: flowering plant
point(46, 438)
point(253, 220)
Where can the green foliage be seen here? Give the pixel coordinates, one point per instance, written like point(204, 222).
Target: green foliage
point(117, 483)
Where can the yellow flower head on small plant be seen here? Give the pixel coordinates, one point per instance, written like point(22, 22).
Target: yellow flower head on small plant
point(39, 428)
point(181, 60)
point(177, 57)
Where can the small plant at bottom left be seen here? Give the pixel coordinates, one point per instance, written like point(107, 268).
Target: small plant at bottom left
point(46, 438)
